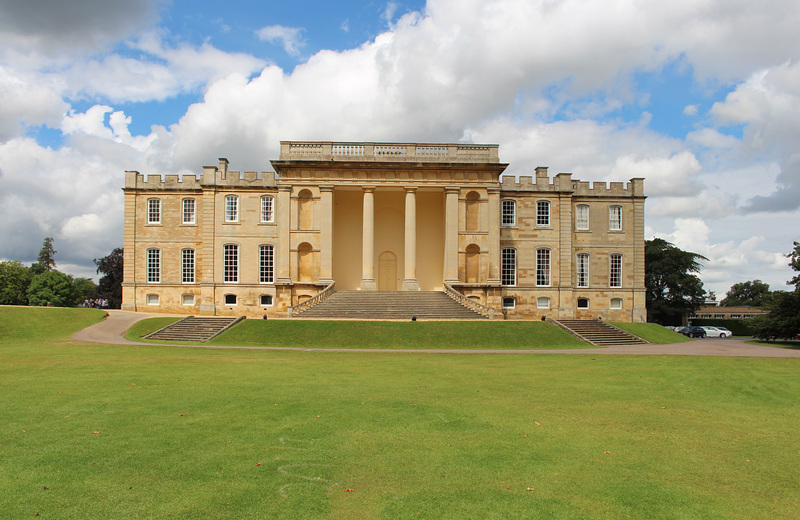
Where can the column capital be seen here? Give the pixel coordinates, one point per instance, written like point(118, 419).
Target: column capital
point(368, 189)
point(326, 187)
point(494, 190)
point(410, 189)
point(452, 189)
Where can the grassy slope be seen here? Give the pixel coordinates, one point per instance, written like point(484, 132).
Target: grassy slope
point(196, 433)
point(653, 332)
point(381, 334)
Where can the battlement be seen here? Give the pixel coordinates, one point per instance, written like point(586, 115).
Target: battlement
point(389, 152)
point(563, 182)
point(211, 176)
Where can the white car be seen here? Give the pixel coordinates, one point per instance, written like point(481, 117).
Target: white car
point(716, 332)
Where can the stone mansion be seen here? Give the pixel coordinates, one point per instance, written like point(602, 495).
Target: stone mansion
point(387, 217)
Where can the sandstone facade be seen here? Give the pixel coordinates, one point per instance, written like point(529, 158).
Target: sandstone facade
point(384, 216)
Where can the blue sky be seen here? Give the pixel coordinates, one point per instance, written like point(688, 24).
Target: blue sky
point(700, 98)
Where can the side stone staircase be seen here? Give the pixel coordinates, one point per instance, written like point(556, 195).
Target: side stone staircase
point(192, 328)
point(389, 305)
point(599, 333)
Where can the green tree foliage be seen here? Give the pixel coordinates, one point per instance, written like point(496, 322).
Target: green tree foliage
point(84, 288)
point(673, 289)
point(15, 277)
point(52, 287)
point(753, 294)
point(45, 262)
point(783, 320)
point(110, 286)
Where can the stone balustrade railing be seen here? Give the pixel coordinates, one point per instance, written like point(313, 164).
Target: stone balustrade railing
point(317, 298)
point(472, 305)
point(417, 152)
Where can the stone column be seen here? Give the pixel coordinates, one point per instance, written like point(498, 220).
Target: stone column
point(451, 236)
point(368, 241)
point(283, 254)
point(410, 282)
point(494, 236)
point(326, 234)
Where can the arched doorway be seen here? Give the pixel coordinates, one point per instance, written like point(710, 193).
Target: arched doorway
point(387, 271)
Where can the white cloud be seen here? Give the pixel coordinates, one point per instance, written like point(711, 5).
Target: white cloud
point(690, 110)
point(290, 38)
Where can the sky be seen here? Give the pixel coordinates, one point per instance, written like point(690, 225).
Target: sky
point(699, 97)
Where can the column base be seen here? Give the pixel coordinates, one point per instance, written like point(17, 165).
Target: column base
point(368, 285)
point(128, 306)
point(411, 284)
point(452, 281)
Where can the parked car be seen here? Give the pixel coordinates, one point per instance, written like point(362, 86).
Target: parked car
point(716, 332)
point(693, 332)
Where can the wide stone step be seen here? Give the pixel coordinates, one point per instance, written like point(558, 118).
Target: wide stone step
point(193, 328)
point(390, 305)
point(599, 333)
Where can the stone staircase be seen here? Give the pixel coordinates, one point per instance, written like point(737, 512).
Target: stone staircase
point(599, 333)
point(389, 305)
point(192, 328)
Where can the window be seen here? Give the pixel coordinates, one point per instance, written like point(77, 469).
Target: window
point(615, 218)
point(543, 213)
point(509, 303)
point(582, 217)
point(266, 264)
point(154, 211)
point(267, 213)
point(543, 302)
point(542, 267)
point(582, 274)
point(509, 213)
point(153, 265)
point(615, 274)
point(736, 316)
point(583, 303)
point(152, 299)
point(616, 303)
point(188, 211)
point(187, 299)
point(230, 299)
point(187, 265)
point(508, 266)
point(231, 263)
point(265, 300)
point(231, 208)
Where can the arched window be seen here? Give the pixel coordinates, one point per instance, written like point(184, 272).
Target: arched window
point(616, 303)
point(153, 266)
point(154, 211)
point(266, 263)
point(509, 302)
point(305, 210)
point(230, 261)
point(267, 209)
point(543, 267)
point(543, 213)
point(231, 208)
point(582, 270)
point(473, 209)
point(615, 218)
point(615, 270)
point(188, 211)
point(508, 266)
point(509, 216)
point(582, 217)
point(583, 303)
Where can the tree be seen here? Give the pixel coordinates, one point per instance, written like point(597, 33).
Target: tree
point(45, 262)
point(110, 286)
point(672, 289)
point(783, 320)
point(52, 287)
point(15, 277)
point(83, 289)
point(754, 294)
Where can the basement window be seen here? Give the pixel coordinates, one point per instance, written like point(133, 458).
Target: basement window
point(230, 299)
point(509, 303)
point(616, 303)
point(583, 303)
point(266, 300)
point(187, 299)
point(152, 299)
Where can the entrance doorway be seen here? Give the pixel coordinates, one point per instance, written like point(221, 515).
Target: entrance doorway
point(387, 271)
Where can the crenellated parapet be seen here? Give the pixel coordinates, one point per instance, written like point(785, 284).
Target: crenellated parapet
point(563, 183)
point(219, 176)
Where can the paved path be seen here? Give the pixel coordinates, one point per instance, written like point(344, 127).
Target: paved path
point(110, 331)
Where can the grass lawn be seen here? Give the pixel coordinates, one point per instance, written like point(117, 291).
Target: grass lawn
point(484, 335)
point(96, 431)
